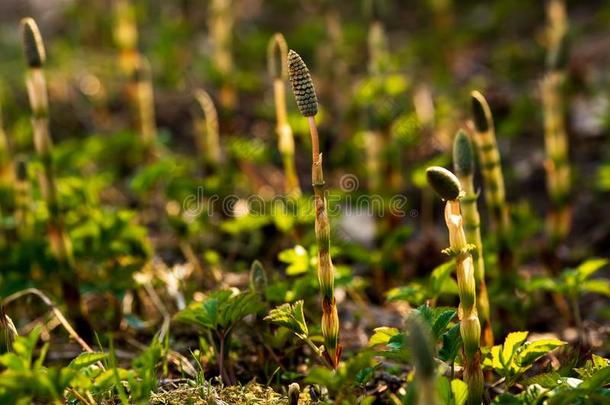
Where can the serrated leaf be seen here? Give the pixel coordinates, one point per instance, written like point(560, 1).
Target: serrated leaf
point(291, 317)
point(426, 314)
point(452, 340)
point(510, 346)
point(532, 351)
point(441, 322)
point(597, 380)
point(86, 359)
point(382, 335)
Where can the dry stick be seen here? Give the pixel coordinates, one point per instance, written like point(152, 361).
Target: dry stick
point(463, 162)
point(285, 139)
point(305, 96)
point(58, 314)
point(60, 243)
point(448, 187)
point(556, 141)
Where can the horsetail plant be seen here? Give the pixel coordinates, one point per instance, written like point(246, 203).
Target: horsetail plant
point(448, 187)
point(493, 180)
point(463, 163)
point(278, 47)
point(307, 102)
point(220, 25)
point(209, 143)
point(145, 105)
point(126, 36)
point(557, 164)
point(23, 218)
point(61, 245)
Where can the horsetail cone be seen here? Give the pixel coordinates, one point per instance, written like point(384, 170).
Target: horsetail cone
point(463, 155)
point(302, 85)
point(448, 187)
point(32, 43)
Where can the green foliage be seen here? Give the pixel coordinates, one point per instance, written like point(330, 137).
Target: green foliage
point(440, 283)
point(291, 317)
point(515, 356)
point(221, 310)
point(574, 282)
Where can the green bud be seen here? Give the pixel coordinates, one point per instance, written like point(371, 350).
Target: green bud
point(421, 347)
point(463, 154)
point(302, 85)
point(32, 43)
point(446, 185)
point(258, 277)
point(480, 110)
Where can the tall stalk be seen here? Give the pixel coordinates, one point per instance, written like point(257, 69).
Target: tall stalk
point(145, 104)
point(448, 187)
point(306, 99)
point(61, 245)
point(209, 141)
point(557, 164)
point(463, 163)
point(493, 180)
point(23, 218)
point(220, 25)
point(285, 139)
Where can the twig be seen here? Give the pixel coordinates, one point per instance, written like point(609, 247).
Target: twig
point(58, 314)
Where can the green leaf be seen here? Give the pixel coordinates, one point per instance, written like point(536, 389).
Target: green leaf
point(297, 258)
point(291, 317)
point(597, 380)
point(440, 279)
point(590, 267)
point(452, 340)
point(597, 286)
point(86, 359)
point(220, 310)
point(459, 389)
point(441, 322)
point(510, 346)
point(532, 351)
point(382, 335)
